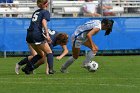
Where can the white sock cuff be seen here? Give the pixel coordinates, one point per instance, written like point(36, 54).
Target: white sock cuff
point(89, 56)
point(90, 53)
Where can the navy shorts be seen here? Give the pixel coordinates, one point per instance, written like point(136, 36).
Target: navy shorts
point(35, 38)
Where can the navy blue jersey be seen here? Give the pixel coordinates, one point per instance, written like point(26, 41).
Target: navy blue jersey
point(53, 34)
point(37, 17)
point(34, 33)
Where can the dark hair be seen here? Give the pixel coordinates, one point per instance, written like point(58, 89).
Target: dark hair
point(109, 24)
point(62, 38)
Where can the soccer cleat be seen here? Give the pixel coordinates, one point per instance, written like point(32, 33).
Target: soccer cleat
point(17, 68)
point(63, 71)
point(26, 70)
point(51, 71)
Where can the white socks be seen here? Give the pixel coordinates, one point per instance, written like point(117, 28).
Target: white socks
point(68, 63)
point(89, 56)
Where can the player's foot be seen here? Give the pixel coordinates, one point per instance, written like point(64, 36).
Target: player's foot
point(52, 71)
point(84, 66)
point(26, 71)
point(63, 71)
point(17, 68)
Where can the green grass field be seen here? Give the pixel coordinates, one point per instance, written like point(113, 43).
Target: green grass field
point(116, 74)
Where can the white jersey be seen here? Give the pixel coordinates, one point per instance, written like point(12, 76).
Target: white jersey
point(82, 30)
point(80, 34)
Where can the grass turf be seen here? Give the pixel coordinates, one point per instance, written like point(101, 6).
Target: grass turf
point(116, 74)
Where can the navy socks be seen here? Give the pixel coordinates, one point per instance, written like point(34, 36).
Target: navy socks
point(30, 65)
point(50, 60)
point(23, 61)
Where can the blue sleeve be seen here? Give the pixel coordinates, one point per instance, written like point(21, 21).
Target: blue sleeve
point(46, 15)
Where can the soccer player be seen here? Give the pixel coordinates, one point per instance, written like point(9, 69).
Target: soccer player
point(57, 39)
point(35, 36)
point(83, 36)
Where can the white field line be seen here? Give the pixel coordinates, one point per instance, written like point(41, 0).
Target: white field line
point(5, 80)
point(75, 84)
point(33, 78)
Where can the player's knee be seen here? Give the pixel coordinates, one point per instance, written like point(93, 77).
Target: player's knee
point(30, 57)
point(75, 56)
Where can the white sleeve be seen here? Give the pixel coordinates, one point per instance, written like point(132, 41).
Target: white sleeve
point(97, 24)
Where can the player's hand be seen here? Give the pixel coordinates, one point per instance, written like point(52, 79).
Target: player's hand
point(47, 37)
point(58, 57)
point(95, 49)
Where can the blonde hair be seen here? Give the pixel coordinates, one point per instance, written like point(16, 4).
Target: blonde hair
point(41, 2)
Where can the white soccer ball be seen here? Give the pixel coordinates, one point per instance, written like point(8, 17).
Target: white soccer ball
point(92, 66)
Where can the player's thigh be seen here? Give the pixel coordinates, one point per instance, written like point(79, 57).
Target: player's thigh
point(38, 50)
point(33, 52)
point(45, 47)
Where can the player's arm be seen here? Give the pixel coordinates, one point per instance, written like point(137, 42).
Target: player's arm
point(65, 52)
point(44, 24)
point(89, 36)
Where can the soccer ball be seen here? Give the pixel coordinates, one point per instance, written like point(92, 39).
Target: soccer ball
point(92, 66)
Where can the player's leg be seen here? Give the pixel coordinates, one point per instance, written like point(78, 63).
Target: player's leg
point(30, 65)
point(33, 62)
point(75, 55)
point(20, 63)
point(89, 55)
point(25, 60)
point(40, 62)
point(32, 51)
point(47, 50)
point(47, 68)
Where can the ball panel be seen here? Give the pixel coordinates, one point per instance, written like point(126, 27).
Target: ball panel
point(92, 66)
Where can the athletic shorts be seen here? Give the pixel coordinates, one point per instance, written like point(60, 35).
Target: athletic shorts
point(76, 42)
point(35, 38)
